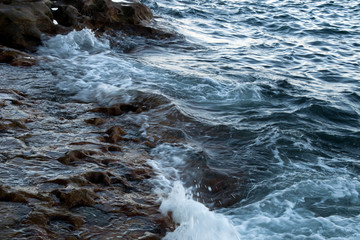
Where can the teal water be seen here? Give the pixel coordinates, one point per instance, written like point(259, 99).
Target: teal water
point(264, 96)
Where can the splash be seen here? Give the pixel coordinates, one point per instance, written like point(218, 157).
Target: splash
point(74, 43)
point(195, 221)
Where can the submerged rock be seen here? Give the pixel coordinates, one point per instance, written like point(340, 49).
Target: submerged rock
point(65, 182)
point(115, 134)
point(98, 177)
point(118, 109)
point(76, 155)
point(96, 121)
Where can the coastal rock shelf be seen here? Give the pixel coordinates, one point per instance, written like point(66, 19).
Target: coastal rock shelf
point(70, 172)
point(24, 22)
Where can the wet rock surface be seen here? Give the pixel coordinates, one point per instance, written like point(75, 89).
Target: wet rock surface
point(23, 22)
point(63, 178)
point(16, 57)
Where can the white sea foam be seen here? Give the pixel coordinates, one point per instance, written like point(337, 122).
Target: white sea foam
point(310, 209)
point(86, 68)
point(315, 207)
point(84, 65)
point(73, 43)
point(195, 221)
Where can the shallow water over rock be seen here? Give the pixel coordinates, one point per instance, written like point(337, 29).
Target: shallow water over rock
point(68, 178)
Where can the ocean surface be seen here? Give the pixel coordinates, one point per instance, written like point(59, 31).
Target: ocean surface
point(258, 109)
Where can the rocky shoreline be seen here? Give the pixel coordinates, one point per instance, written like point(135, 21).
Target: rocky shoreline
point(23, 23)
point(72, 170)
point(74, 173)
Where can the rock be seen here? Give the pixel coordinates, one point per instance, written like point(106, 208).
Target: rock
point(67, 16)
point(139, 173)
point(133, 12)
point(11, 124)
point(118, 109)
point(95, 121)
point(101, 192)
point(118, 180)
point(116, 13)
point(22, 195)
point(115, 134)
point(106, 12)
point(149, 144)
point(98, 177)
point(15, 57)
point(71, 180)
point(38, 218)
point(22, 22)
point(43, 215)
point(8, 196)
point(76, 197)
point(111, 148)
point(75, 155)
point(130, 17)
point(12, 214)
point(150, 236)
point(116, 130)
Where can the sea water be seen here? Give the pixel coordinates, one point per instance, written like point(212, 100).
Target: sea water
point(264, 99)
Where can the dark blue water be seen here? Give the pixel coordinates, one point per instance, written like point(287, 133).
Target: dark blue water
point(259, 112)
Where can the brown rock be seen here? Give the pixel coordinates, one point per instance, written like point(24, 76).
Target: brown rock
point(72, 180)
point(11, 124)
point(150, 236)
point(38, 218)
point(106, 11)
point(95, 121)
point(118, 109)
point(43, 215)
point(132, 12)
point(150, 144)
point(111, 148)
point(115, 134)
point(98, 177)
point(139, 173)
point(75, 155)
point(15, 57)
point(127, 187)
point(76, 197)
point(22, 22)
point(6, 195)
point(21, 195)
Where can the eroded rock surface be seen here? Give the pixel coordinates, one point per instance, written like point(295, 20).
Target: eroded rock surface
point(67, 179)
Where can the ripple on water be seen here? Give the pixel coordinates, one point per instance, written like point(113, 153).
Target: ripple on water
point(260, 94)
